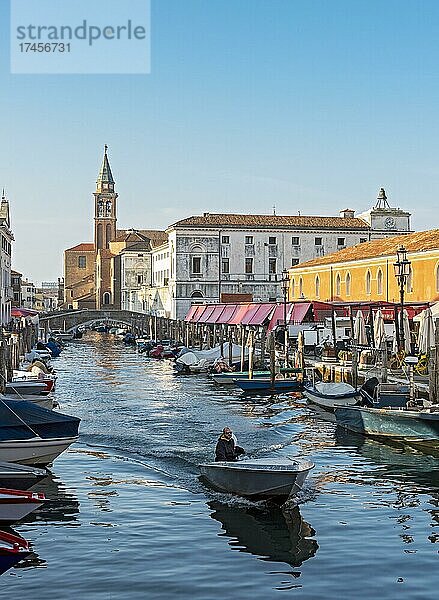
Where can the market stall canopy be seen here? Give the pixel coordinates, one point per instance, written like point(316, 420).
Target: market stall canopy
point(23, 312)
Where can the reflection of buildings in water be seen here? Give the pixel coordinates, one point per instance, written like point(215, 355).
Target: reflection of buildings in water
point(271, 533)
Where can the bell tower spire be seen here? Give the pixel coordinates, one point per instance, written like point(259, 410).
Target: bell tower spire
point(105, 206)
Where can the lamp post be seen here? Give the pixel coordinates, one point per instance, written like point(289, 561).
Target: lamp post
point(402, 273)
point(285, 288)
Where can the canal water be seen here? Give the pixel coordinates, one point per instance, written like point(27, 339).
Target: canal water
point(128, 517)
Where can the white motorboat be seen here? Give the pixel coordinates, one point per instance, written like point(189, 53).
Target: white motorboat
point(25, 386)
point(258, 478)
point(33, 435)
point(34, 451)
point(17, 504)
point(47, 402)
point(330, 395)
point(62, 335)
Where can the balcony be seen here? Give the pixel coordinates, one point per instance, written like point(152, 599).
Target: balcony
point(319, 250)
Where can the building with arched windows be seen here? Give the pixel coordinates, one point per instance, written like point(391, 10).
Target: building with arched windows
point(365, 272)
point(208, 257)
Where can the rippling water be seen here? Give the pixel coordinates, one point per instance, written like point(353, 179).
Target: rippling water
point(128, 517)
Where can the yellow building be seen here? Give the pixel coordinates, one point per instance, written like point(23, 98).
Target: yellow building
point(365, 272)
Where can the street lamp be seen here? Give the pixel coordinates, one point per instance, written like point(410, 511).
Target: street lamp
point(402, 273)
point(285, 288)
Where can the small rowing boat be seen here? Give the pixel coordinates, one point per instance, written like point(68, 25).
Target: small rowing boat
point(258, 478)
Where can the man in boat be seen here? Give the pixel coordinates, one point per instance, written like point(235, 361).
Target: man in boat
point(226, 447)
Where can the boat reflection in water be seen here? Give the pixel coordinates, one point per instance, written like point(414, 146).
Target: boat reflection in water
point(271, 533)
point(397, 462)
point(63, 506)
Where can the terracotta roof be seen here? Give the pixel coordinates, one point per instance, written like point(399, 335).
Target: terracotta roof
point(86, 247)
point(156, 236)
point(413, 242)
point(137, 246)
point(234, 220)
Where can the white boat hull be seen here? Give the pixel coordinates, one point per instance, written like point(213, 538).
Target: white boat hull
point(35, 451)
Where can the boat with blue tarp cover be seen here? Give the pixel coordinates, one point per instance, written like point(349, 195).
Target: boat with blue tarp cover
point(30, 434)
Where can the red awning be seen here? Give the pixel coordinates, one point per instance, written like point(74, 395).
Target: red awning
point(229, 311)
point(277, 317)
point(23, 312)
point(262, 313)
point(250, 313)
point(208, 310)
point(296, 312)
point(198, 313)
point(191, 312)
point(239, 314)
point(215, 314)
point(299, 312)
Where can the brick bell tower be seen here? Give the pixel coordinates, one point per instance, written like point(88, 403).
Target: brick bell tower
point(105, 206)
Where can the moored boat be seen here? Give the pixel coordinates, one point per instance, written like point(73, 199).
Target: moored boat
point(228, 377)
point(262, 385)
point(17, 504)
point(26, 387)
point(33, 435)
point(330, 395)
point(12, 549)
point(409, 425)
point(44, 401)
point(258, 478)
point(20, 477)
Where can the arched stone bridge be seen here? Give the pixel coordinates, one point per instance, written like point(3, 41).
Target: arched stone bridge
point(70, 320)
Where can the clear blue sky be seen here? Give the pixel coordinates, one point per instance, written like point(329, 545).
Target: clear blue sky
point(310, 105)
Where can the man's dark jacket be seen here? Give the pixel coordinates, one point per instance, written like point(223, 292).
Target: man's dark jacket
point(226, 450)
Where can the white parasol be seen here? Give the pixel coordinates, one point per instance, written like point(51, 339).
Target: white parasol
point(360, 329)
point(426, 331)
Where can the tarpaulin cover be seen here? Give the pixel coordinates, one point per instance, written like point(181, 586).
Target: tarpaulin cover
point(15, 415)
